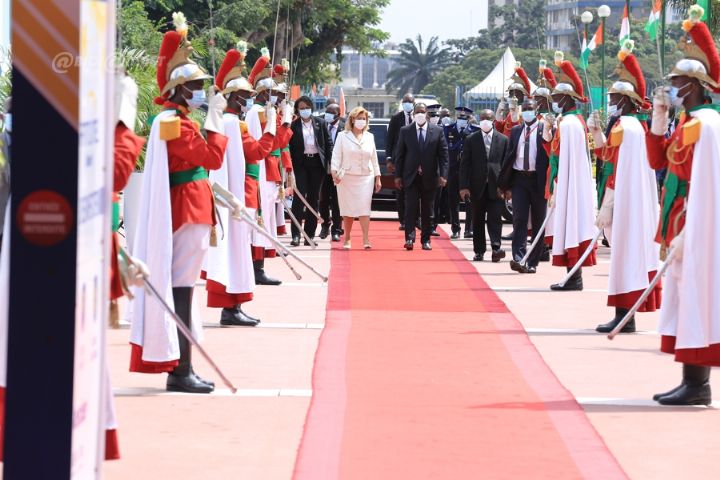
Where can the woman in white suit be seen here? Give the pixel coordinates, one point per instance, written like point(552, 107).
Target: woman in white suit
point(356, 173)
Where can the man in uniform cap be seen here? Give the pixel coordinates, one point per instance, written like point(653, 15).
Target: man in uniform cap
point(570, 181)
point(456, 134)
point(629, 212)
point(229, 269)
point(690, 314)
point(176, 215)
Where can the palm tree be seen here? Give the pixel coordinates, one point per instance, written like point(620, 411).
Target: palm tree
point(417, 65)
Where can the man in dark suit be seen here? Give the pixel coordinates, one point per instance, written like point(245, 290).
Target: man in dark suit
point(480, 164)
point(456, 135)
point(523, 179)
point(328, 191)
point(311, 152)
point(401, 119)
point(421, 158)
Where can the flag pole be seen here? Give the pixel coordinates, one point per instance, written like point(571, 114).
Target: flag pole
point(662, 39)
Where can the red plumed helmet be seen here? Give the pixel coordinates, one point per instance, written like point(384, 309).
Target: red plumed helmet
point(520, 72)
point(704, 49)
point(549, 77)
point(170, 44)
point(232, 57)
point(260, 70)
point(568, 75)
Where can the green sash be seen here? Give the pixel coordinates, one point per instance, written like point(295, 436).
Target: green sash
point(554, 164)
point(607, 170)
point(115, 216)
point(187, 176)
point(252, 170)
point(674, 188)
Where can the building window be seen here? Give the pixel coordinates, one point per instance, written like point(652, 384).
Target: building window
point(376, 109)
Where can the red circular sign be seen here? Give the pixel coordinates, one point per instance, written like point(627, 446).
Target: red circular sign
point(45, 218)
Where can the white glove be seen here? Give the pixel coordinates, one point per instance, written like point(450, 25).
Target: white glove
point(514, 110)
point(605, 216)
point(287, 114)
point(593, 122)
point(595, 128)
point(271, 121)
point(678, 244)
point(216, 106)
point(134, 271)
point(291, 180)
point(126, 93)
point(549, 121)
point(501, 108)
point(660, 118)
point(551, 201)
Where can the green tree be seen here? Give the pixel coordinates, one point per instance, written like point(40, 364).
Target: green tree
point(5, 75)
point(416, 65)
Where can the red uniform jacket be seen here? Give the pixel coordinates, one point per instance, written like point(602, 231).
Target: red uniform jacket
point(193, 202)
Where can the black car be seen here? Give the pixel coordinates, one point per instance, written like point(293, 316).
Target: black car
point(385, 198)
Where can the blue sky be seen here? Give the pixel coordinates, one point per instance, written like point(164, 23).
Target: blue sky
point(442, 18)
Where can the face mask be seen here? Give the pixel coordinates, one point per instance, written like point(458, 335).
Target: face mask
point(556, 108)
point(8, 122)
point(408, 107)
point(528, 116)
point(330, 117)
point(434, 120)
point(273, 99)
point(420, 119)
point(462, 123)
point(360, 124)
point(305, 113)
point(675, 99)
point(446, 121)
point(249, 102)
point(198, 98)
point(486, 125)
point(612, 110)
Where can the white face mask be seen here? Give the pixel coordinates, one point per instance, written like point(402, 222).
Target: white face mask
point(486, 125)
point(420, 119)
point(360, 124)
point(446, 121)
point(273, 99)
point(434, 120)
point(249, 102)
point(198, 98)
point(528, 116)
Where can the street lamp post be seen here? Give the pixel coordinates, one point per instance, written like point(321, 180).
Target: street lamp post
point(586, 18)
point(603, 13)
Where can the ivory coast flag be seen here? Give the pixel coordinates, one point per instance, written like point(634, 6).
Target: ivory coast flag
point(625, 26)
point(654, 21)
point(587, 48)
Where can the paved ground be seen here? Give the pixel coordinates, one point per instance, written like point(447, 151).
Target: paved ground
point(255, 434)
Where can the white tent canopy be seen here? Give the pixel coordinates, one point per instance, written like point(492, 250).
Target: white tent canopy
point(497, 82)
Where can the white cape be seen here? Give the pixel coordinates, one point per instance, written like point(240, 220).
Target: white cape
point(230, 262)
point(634, 252)
point(151, 327)
point(268, 190)
point(574, 215)
point(691, 308)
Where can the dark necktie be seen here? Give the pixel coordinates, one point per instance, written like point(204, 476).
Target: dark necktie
point(421, 141)
point(526, 155)
point(408, 121)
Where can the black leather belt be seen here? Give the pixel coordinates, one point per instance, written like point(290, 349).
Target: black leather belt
point(311, 155)
point(526, 173)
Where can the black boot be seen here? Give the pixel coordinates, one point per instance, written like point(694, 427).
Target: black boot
point(575, 283)
point(260, 277)
point(619, 315)
point(694, 390)
point(239, 309)
point(183, 379)
point(545, 255)
point(234, 317)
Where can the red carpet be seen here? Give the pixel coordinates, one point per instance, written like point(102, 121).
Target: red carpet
point(422, 372)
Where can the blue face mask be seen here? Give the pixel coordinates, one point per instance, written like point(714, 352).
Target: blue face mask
point(461, 123)
point(249, 102)
point(556, 108)
point(329, 117)
point(528, 115)
point(198, 98)
point(612, 110)
point(675, 99)
point(7, 122)
point(305, 113)
point(446, 121)
point(408, 107)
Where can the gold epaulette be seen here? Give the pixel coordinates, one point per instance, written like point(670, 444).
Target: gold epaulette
point(170, 128)
point(243, 127)
point(262, 116)
point(690, 133)
point(616, 136)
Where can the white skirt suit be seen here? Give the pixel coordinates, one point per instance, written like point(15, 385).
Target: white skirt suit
point(357, 163)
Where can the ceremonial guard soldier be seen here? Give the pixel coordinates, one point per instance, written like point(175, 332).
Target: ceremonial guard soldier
point(455, 135)
point(176, 218)
point(546, 82)
point(517, 92)
point(570, 181)
point(229, 268)
point(629, 212)
point(287, 183)
point(269, 175)
point(690, 218)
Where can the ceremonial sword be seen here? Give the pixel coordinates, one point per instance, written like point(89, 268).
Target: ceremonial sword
point(585, 254)
point(536, 240)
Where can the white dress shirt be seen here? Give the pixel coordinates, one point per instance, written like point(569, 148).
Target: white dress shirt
point(520, 158)
point(309, 137)
point(423, 129)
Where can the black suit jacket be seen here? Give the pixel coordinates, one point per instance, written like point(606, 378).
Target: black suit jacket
point(433, 157)
point(541, 160)
point(322, 141)
point(478, 170)
point(397, 122)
